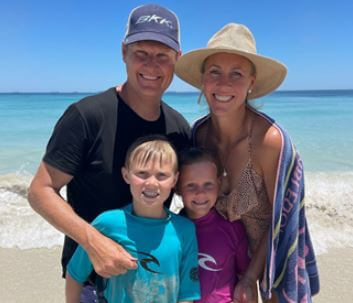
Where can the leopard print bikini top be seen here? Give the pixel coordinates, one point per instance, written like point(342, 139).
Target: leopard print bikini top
point(248, 201)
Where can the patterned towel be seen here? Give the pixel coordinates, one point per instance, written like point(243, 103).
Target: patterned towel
point(290, 269)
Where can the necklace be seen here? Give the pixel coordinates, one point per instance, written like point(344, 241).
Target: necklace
point(224, 153)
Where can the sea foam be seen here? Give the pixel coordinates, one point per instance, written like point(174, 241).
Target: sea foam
point(20, 226)
point(329, 209)
point(328, 202)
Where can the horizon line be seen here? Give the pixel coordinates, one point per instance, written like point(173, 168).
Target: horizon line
point(167, 92)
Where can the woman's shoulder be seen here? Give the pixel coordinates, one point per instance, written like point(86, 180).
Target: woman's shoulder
point(266, 134)
point(266, 144)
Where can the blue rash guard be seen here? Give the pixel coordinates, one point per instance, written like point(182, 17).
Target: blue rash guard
point(166, 250)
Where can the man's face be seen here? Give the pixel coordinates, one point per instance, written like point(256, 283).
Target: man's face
point(150, 67)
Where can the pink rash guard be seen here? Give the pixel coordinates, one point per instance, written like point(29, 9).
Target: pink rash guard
point(223, 255)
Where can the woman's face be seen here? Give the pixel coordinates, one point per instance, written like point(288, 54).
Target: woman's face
point(226, 81)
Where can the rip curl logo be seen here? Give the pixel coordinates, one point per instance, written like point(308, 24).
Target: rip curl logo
point(144, 261)
point(156, 19)
point(203, 258)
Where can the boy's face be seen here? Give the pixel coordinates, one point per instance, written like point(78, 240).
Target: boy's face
point(150, 186)
point(198, 186)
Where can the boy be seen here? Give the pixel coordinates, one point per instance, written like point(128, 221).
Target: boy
point(223, 246)
point(163, 244)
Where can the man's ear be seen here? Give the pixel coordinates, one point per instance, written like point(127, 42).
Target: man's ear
point(124, 51)
point(125, 174)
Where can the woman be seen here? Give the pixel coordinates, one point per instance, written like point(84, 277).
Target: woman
point(262, 180)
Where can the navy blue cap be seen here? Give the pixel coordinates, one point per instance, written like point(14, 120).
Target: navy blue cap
point(153, 22)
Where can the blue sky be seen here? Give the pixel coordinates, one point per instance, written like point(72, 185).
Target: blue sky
point(76, 45)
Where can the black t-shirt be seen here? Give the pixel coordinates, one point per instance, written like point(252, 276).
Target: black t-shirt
point(90, 142)
point(134, 127)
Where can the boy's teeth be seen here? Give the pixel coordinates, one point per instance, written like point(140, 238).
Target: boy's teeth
point(223, 98)
point(150, 194)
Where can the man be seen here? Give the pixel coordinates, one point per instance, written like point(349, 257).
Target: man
point(88, 146)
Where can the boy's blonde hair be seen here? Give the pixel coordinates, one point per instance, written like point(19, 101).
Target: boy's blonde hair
point(151, 148)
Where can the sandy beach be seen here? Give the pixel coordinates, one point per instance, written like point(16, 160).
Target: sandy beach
point(33, 275)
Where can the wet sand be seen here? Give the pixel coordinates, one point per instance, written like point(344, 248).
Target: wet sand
point(34, 275)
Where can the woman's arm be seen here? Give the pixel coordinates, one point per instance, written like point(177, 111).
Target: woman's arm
point(246, 289)
point(269, 160)
point(267, 151)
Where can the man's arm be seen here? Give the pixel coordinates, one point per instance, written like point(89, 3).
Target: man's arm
point(108, 257)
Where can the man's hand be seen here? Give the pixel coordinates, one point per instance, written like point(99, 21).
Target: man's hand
point(108, 257)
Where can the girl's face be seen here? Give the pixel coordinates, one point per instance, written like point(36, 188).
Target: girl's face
point(198, 186)
point(226, 81)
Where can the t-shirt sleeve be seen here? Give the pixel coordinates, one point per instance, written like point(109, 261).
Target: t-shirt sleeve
point(80, 266)
point(68, 143)
point(189, 275)
point(242, 249)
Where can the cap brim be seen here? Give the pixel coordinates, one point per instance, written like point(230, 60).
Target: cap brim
point(269, 73)
point(152, 36)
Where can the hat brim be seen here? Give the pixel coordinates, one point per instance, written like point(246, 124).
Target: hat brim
point(152, 36)
point(269, 73)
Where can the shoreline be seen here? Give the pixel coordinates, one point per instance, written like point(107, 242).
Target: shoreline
point(34, 275)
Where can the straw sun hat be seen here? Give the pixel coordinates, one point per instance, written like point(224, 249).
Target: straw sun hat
point(235, 39)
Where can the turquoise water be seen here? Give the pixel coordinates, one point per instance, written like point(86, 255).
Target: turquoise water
point(319, 122)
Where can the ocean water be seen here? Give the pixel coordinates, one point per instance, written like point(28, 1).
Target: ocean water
point(319, 122)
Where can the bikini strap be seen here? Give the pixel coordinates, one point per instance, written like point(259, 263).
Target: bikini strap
point(250, 129)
